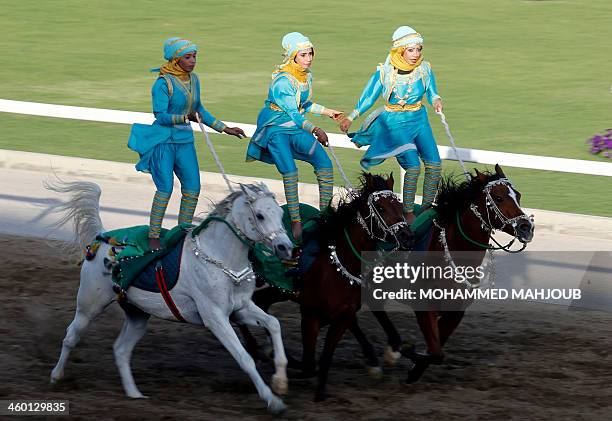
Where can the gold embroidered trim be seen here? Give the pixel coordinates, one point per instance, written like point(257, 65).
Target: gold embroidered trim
point(406, 107)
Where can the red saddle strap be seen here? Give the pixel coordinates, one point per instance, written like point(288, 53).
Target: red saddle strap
point(160, 278)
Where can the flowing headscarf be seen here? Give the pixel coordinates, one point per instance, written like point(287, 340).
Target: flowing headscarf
point(403, 37)
point(174, 49)
point(293, 43)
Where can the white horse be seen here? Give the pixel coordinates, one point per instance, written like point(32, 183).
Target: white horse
point(215, 281)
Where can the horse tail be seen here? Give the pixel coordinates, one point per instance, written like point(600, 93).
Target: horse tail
point(82, 208)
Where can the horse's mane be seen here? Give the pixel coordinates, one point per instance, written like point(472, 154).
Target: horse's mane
point(454, 195)
point(222, 208)
point(333, 221)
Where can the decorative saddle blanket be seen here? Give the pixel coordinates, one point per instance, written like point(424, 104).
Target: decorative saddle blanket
point(131, 261)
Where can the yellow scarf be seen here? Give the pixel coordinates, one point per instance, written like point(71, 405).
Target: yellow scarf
point(295, 70)
point(399, 62)
point(172, 67)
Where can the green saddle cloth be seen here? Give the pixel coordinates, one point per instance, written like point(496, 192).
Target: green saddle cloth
point(136, 254)
point(269, 267)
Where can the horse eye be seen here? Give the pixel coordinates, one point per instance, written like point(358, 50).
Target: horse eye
point(260, 216)
point(499, 199)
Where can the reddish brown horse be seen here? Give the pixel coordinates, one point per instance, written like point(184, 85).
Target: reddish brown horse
point(330, 292)
point(468, 213)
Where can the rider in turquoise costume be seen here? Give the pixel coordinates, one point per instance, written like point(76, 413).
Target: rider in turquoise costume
point(166, 147)
point(400, 128)
point(283, 133)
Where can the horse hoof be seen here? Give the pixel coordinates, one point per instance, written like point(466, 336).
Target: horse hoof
point(391, 356)
point(280, 385)
point(137, 395)
point(56, 376)
point(276, 406)
point(375, 372)
point(421, 358)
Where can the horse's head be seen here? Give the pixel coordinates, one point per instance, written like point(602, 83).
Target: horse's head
point(381, 213)
point(259, 217)
point(499, 205)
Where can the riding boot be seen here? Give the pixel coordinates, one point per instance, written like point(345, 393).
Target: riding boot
point(433, 172)
point(411, 177)
point(189, 201)
point(290, 182)
point(325, 178)
point(158, 210)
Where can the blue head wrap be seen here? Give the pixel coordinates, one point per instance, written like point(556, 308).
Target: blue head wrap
point(405, 35)
point(177, 47)
point(294, 42)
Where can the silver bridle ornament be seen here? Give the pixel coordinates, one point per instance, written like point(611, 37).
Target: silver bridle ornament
point(374, 217)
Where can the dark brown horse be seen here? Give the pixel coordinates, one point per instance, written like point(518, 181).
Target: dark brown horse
point(330, 292)
point(467, 215)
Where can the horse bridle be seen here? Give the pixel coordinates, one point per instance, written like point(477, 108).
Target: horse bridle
point(271, 236)
point(491, 205)
point(374, 217)
point(247, 272)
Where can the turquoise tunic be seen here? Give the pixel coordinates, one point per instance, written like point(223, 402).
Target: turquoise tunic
point(397, 133)
point(173, 100)
point(283, 133)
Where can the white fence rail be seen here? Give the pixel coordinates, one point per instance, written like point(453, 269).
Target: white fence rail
point(338, 140)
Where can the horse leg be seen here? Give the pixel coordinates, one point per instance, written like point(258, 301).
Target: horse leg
point(263, 298)
point(394, 341)
point(94, 295)
point(334, 334)
point(221, 327)
point(310, 332)
point(134, 328)
point(368, 350)
point(253, 315)
point(428, 323)
point(448, 323)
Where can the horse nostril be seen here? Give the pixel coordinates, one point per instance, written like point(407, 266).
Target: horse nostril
point(282, 247)
point(524, 227)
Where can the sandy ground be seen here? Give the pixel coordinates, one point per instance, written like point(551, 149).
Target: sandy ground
point(540, 363)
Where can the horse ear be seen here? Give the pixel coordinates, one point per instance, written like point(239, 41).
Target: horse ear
point(479, 176)
point(390, 181)
point(249, 194)
point(368, 180)
point(499, 171)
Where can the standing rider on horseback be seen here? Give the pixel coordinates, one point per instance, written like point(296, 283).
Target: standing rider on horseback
point(283, 133)
point(400, 129)
point(166, 146)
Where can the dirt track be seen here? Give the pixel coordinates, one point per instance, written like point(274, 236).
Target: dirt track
point(537, 364)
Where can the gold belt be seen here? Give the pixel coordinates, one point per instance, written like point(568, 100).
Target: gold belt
point(406, 107)
point(275, 107)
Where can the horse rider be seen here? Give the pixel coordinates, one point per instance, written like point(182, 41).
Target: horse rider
point(400, 129)
point(167, 146)
point(283, 134)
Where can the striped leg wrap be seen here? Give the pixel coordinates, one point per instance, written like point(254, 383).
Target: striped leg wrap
point(290, 181)
point(410, 184)
point(158, 210)
point(325, 177)
point(189, 201)
point(433, 172)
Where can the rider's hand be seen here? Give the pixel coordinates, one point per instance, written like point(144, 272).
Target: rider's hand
point(193, 116)
point(437, 105)
point(334, 114)
point(321, 136)
point(235, 131)
point(345, 124)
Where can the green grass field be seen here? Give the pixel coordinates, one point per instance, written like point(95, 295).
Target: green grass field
point(516, 76)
